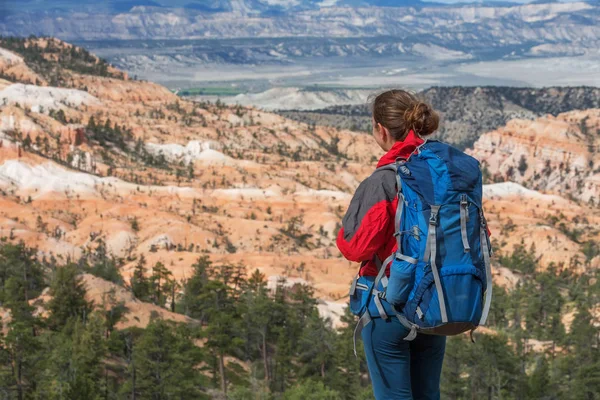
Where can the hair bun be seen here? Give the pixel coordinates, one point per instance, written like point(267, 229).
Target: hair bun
point(401, 112)
point(422, 119)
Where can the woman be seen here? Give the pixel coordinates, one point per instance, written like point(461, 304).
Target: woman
point(399, 369)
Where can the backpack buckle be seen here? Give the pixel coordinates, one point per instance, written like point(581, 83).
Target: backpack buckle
point(463, 200)
point(433, 219)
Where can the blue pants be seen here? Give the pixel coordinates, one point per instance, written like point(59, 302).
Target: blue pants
point(402, 370)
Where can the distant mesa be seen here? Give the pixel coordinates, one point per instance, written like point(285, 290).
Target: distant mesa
point(294, 98)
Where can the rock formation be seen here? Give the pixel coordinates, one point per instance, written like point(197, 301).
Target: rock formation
point(175, 180)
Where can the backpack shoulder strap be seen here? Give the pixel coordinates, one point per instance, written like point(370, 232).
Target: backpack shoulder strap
point(388, 167)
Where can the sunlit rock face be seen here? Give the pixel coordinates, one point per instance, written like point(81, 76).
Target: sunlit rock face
point(552, 154)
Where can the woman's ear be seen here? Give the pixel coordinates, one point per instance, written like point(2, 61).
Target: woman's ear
point(384, 132)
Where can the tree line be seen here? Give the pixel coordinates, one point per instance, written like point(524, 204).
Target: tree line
point(247, 340)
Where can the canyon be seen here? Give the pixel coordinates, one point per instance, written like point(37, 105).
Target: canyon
point(105, 160)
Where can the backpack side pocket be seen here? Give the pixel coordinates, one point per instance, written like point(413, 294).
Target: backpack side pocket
point(359, 301)
point(401, 281)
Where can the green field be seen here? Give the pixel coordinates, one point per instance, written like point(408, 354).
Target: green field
point(231, 91)
point(326, 88)
point(210, 91)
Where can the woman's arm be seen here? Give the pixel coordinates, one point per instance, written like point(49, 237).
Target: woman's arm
point(368, 223)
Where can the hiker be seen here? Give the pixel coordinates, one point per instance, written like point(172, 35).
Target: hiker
point(403, 323)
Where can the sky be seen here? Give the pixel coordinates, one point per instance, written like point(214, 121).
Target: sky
point(487, 1)
point(126, 4)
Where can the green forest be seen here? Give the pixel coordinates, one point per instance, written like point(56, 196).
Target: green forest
point(248, 342)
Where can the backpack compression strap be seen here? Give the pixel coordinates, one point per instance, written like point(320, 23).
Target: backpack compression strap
point(364, 320)
point(379, 294)
point(464, 218)
point(488, 269)
point(431, 255)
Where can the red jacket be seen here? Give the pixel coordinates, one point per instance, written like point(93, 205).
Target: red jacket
point(368, 226)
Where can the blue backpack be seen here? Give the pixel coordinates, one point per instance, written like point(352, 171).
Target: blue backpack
point(440, 277)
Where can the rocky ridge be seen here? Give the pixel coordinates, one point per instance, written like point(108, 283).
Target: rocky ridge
point(550, 154)
point(468, 112)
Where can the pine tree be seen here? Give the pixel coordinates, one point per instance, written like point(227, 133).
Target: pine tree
point(350, 370)
point(135, 225)
point(539, 381)
point(68, 298)
point(453, 384)
point(128, 340)
point(522, 165)
point(104, 265)
point(74, 366)
point(281, 368)
point(257, 311)
point(21, 348)
point(194, 288)
point(222, 331)
point(316, 348)
point(166, 360)
point(114, 311)
point(27, 142)
point(490, 365)
point(584, 361)
point(303, 298)
point(521, 259)
point(140, 284)
point(19, 261)
point(160, 282)
point(313, 390)
point(499, 308)
point(21, 278)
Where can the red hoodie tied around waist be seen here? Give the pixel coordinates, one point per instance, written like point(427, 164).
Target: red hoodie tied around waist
point(368, 226)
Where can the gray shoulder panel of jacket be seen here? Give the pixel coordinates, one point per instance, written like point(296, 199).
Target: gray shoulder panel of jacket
point(381, 185)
